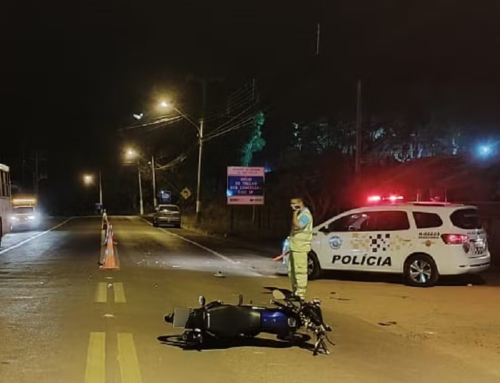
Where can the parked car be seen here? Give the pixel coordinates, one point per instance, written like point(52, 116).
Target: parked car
point(420, 240)
point(167, 215)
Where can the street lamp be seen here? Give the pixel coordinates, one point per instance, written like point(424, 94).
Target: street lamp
point(131, 155)
point(88, 180)
point(164, 105)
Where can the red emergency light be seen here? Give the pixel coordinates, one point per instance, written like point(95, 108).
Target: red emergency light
point(378, 198)
point(374, 198)
point(395, 198)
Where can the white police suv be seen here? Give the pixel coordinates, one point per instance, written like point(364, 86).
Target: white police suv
point(417, 239)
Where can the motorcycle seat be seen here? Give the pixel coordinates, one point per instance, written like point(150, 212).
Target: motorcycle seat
point(231, 321)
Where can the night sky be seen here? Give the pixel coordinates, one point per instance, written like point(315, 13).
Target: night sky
point(74, 71)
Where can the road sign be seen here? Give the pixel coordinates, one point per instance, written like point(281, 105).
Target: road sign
point(165, 196)
point(245, 185)
point(186, 193)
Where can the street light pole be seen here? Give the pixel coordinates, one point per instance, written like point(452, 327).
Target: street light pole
point(100, 189)
point(199, 128)
point(154, 180)
point(141, 205)
point(200, 150)
point(200, 156)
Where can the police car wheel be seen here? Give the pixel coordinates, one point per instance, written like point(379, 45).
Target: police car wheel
point(421, 271)
point(313, 267)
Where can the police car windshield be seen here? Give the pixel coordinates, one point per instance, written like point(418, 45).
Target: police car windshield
point(466, 219)
point(23, 210)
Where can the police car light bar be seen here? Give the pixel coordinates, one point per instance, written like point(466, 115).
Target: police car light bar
point(391, 198)
point(395, 198)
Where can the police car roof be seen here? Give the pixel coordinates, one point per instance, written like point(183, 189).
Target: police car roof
point(417, 204)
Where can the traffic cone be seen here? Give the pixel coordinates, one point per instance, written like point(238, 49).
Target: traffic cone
point(110, 259)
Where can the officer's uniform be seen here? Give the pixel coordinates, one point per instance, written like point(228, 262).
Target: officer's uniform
point(300, 246)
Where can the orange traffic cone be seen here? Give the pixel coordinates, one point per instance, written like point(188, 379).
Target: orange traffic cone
point(110, 258)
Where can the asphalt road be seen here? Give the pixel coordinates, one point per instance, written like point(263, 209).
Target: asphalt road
point(64, 320)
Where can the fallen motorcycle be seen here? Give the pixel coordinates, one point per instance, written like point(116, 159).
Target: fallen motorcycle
point(219, 321)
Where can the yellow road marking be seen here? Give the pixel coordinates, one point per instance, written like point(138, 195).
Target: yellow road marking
point(119, 292)
point(95, 370)
point(127, 358)
point(101, 295)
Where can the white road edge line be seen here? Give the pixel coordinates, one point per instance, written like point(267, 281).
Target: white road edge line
point(35, 237)
point(195, 244)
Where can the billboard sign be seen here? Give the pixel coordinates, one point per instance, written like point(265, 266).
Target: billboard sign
point(245, 185)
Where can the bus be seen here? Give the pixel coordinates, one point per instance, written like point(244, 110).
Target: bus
point(5, 201)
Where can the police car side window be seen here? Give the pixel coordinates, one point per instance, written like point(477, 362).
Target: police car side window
point(346, 223)
point(427, 220)
point(386, 221)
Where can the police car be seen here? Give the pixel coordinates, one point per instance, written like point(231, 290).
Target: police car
point(421, 240)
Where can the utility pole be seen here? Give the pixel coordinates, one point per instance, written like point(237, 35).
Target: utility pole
point(204, 82)
point(153, 171)
point(35, 185)
point(358, 129)
point(100, 190)
point(318, 39)
point(141, 204)
point(200, 149)
point(24, 168)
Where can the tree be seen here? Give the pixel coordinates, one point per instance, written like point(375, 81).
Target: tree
point(255, 142)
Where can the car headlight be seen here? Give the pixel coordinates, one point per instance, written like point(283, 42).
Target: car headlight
point(32, 217)
point(13, 218)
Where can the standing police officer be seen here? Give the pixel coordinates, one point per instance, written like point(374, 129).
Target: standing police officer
point(300, 246)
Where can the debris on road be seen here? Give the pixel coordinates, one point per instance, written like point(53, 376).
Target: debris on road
point(388, 323)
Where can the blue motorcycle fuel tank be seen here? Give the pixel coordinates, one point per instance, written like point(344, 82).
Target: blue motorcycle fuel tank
point(276, 321)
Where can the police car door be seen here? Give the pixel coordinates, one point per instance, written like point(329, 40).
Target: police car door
point(336, 239)
point(378, 245)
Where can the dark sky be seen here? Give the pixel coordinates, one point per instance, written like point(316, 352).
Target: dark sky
point(74, 71)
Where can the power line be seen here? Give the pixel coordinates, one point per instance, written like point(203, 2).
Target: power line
point(160, 120)
point(179, 159)
point(242, 124)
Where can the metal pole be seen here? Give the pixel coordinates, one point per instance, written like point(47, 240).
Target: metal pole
point(200, 152)
point(36, 175)
point(100, 189)
point(153, 170)
point(317, 39)
point(141, 205)
point(198, 186)
point(358, 130)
